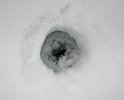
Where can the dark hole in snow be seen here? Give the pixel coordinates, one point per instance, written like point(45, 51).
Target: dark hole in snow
point(59, 51)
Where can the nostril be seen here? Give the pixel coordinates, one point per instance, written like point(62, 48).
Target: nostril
point(59, 51)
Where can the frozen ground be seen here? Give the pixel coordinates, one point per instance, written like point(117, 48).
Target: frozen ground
point(99, 26)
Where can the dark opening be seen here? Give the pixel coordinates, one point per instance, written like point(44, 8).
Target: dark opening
point(57, 45)
point(59, 52)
